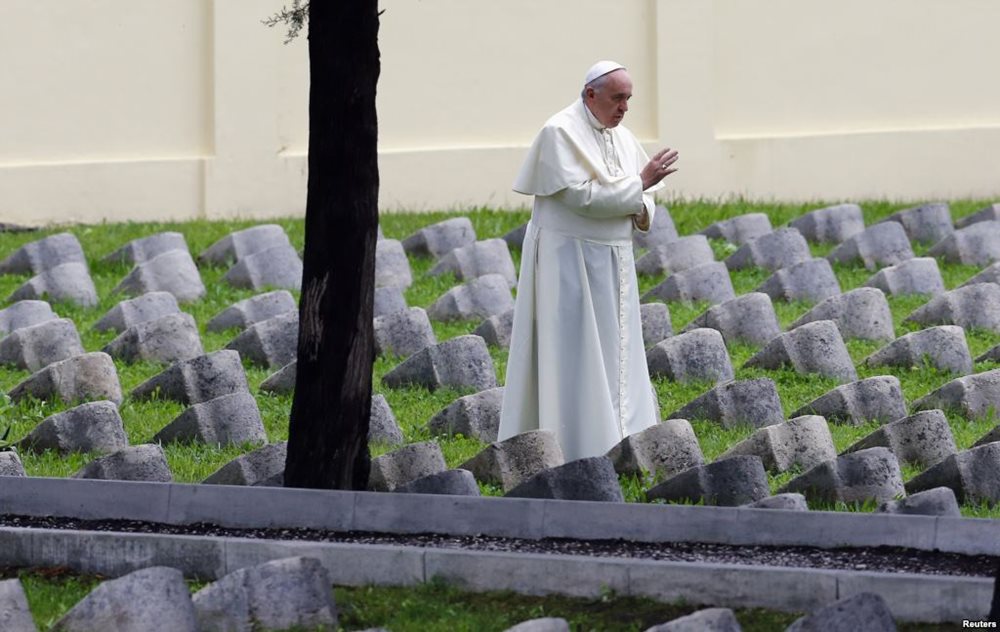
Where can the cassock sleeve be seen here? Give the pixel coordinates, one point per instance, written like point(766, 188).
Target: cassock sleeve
point(619, 198)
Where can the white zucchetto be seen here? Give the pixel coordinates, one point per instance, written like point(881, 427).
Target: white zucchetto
point(601, 68)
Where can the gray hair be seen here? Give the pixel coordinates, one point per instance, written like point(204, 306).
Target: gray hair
point(597, 84)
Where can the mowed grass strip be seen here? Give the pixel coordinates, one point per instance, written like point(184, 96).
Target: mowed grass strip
point(413, 407)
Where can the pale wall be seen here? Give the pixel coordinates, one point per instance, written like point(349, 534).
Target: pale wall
point(148, 109)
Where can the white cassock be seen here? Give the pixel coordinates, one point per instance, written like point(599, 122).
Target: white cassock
point(577, 364)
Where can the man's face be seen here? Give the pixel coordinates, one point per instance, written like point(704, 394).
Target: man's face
point(609, 102)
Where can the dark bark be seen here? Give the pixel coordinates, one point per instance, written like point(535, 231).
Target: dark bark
point(328, 429)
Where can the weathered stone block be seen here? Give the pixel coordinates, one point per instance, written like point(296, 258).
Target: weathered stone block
point(923, 439)
point(664, 449)
point(461, 362)
point(167, 339)
point(809, 280)
point(145, 462)
point(403, 333)
point(173, 271)
point(592, 478)
point(927, 223)
point(496, 330)
point(707, 620)
point(742, 402)
point(943, 347)
point(68, 282)
point(680, 254)
point(976, 245)
point(441, 238)
point(661, 231)
point(253, 310)
point(91, 427)
point(515, 237)
point(865, 611)
point(406, 464)
point(815, 347)
point(10, 464)
point(281, 381)
point(392, 268)
point(476, 415)
point(975, 396)
point(38, 346)
point(48, 252)
point(874, 398)
point(510, 462)
point(832, 224)
point(740, 229)
point(228, 420)
point(25, 314)
point(656, 325)
point(544, 624)
point(787, 502)
point(480, 258)
point(15, 616)
point(197, 380)
point(800, 442)
point(241, 243)
point(699, 354)
point(479, 298)
point(383, 427)
point(972, 306)
point(706, 282)
point(252, 468)
point(919, 275)
point(145, 248)
point(871, 474)
point(974, 475)
point(140, 309)
point(860, 313)
point(778, 249)
point(730, 482)
point(987, 213)
point(271, 343)
point(388, 300)
point(879, 244)
point(88, 376)
point(449, 482)
point(278, 267)
point(939, 501)
point(747, 318)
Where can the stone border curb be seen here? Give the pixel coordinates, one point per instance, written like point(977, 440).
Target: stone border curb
point(261, 507)
point(926, 598)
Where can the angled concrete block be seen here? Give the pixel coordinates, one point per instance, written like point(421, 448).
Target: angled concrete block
point(943, 347)
point(173, 271)
point(919, 275)
point(242, 314)
point(441, 238)
point(973, 474)
point(664, 449)
point(35, 347)
point(786, 502)
point(403, 333)
point(800, 442)
point(278, 267)
point(15, 616)
point(680, 254)
point(972, 306)
point(490, 256)
point(405, 464)
point(145, 462)
point(975, 396)
point(167, 339)
point(987, 213)
point(661, 231)
point(89, 376)
point(808, 280)
point(740, 229)
point(25, 314)
point(866, 611)
point(656, 325)
point(747, 318)
point(69, 282)
point(461, 362)
point(706, 282)
point(10, 464)
point(281, 381)
point(731, 482)
point(227, 420)
point(140, 309)
point(815, 347)
point(741, 402)
point(496, 330)
point(145, 248)
point(476, 415)
point(271, 343)
point(197, 380)
point(923, 439)
point(874, 398)
point(476, 299)
point(975, 245)
point(592, 478)
point(382, 426)
point(388, 300)
point(860, 313)
point(778, 249)
point(515, 237)
point(927, 223)
point(939, 501)
point(392, 268)
point(241, 243)
point(90, 427)
point(252, 468)
point(697, 355)
point(871, 474)
point(510, 462)
point(707, 620)
point(449, 483)
point(832, 224)
point(37, 256)
point(879, 244)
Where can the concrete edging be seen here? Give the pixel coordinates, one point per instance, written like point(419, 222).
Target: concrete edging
point(249, 507)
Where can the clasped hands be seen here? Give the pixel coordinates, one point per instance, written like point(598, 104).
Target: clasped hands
point(658, 167)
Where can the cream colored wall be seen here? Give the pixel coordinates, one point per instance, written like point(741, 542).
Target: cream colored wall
point(145, 109)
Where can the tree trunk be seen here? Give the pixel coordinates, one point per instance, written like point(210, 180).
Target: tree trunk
point(328, 429)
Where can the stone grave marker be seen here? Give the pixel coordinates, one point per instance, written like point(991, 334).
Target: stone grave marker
point(167, 339)
point(943, 347)
point(241, 243)
point(663, 449)
point(699, 354)
point(975, 396)
point(35, 347)
point(747, 318)
point(729, 483)
point(987, 213)
point(249, 311)
point(815, 347)
point(49, 252)
point(490, 256)
point(277, 267)
point(173, 271)
point(740, 229)
point(874, 398)
point(405, 464)
point(476, 416)
point(973, 474)
point(68, 282)
point(91, 427)
point(403, 333)
point(878, 245)
point(591, 478)
point(706, 282)
point(870, 474)
point(149, 306)
point(252, 468)
point(832, 224)
point(656, 326)
point(197, 380)
point(25, 314)
point(927, 223)
point(271, 343)
point(478, 298)
point(512, 461)
point(860, 313)
point(145, 462)
point(227, 420)
point(809, 280)
point(441, 238)
point(661, 230)
point(87, 376)
point(392, 268)
point(449, 482)
point(737, 403)
point(976, 245)
point(939, 501)
point(388, 300)
point(923, 439)
point(680, 254)
point(496, 330)
point(461, 362)
point(145, 248)
point(972, 306)
point(781, 248)
point(800, 442)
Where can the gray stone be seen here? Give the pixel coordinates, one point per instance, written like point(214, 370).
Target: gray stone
point(699, 354)
point(253, 310)
point(15, 616)
point(145, 462)
point(281, 381)
point(731, 482)
point(228, 420)
point(879, 244)
point(741, 402)
point(747, 318)
point(939, 501)
point(140, 309)
point(388, 300)
point(154, 598)
point(832, 224)
point(987, 213)
point(167, 339)
point(441, 238)
point(815, 347)
point(90, 427)
point(801, 442)
point(860, 313)
point(510, 462)
point(919, 275)
point(927, 223)
point(973, 474)
point(403, 333)
point(49, 252)
point(88, 376)
point(10, 464)
point(69, 282)
point(871, 474)
point(38, 346)
point(976, 245)
point(405, 464)
point(810, 280)
point(252, 468)
point(974, 396)
point(865, 611)
point(778, 249)
point(875, 398)
point(663, 449)
point(545, 624)
point(943, 347)
point(706, 282)
point(740, 229)
point(25, 314)
point(990, 274)
point(278, 267)
point(656, 325)
point(989, 437)
point(197, 380)
point(461, 362)
point(293, 592)
point(515, 237)
point(478, 298)
point(383, 427)
point(972, 306)
point(392, 268)
point(496, 330)
point(922, 439)
point(680, 254)
point(145, 248)
point(476, 416)
point(173, 271)
point(449, 482)
point(242, 243)
point(271, 343)
point(707, 620)
point(592, 478)
point(662, 231)
point(490, 256)
point(787, 502)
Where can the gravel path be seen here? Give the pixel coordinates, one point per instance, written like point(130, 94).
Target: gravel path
point(881, 559)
